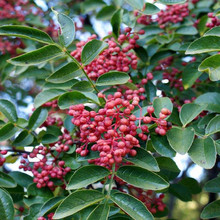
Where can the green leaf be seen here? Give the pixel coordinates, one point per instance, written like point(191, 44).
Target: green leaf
point(191, 184)
point(65, 73)
point(71, 98)
point(144, 159)
point(162, 146)
point(67, 29)
point(142, 54)
point(203, 152)
point(181, 192)
point(23, 139)
point(213, 126)
point(213, 185)
point(202, 45)
point(187, 30)
point(100, 213)
point(168, 168)
point(212, 67)
point(90, 5)
point(25, 32)
point(150, 90)
point(116, 22)
point(16, 193)
point(212, 210)
point(190, 75)
point(41, 55)
point(46, 96)
point(106, 13)
point(160, 103)
point(189, 112)
point(211, 99)
point(150, 9)
point(33, 212)
point(87, 175)
point(37, 118)
point(214, 32)
point(6, 206)
point(83, 86)
point(77, 201)
point(21, 178)
point(91, 50)
point(172, 2)
point(133, 207)
point(50, 205)
point(9, 110)
point(180, 139)
point(136, 4)
point(7, 131)
point(112, 78)
point(142, 178)
point(7, 181)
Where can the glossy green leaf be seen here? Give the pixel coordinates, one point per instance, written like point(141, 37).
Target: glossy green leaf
point(91, 50)
point(180, 139)
point(100, 213)
point(191, 184)
point(32, 190)
point(106, 13)
point(87, 175)
point(142, 178)
point(203, 152)
point(190, 75)
point(9, 110)
point(162, 146)
point(22, 179)
point(202, 45)
point(7, 181)
point(46, 96)
point(136, 4)
point(181, 192)
point(168, 168)
point(172, 2)
point(214, 31)
point(160, 103)
point(65, 73)
point(23, 139)
point(71, 98)
point(67, 29)
point(141, 52)
point(33, 212)
point(37, 118)
point(49, 205)
point(6, 206)
point(213, 126)
point(150, 90)
point(213, 185)
point(41, 55)
point(189, 112)
point(7, 131)
point(90, 5)
point(17, 193)
point(25, 32)
point(212, 210)
point(211, 100)
point(212, 67)
point(112, 78)
point(150, 9)
point(83, 86)
point(187, 30)
point(77, 201)
point(116, 22)
point(132, 206)
point(144, 159)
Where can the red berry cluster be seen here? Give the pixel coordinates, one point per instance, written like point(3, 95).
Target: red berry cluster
point(112, 58)
point(172, 14)
point(112, 129)
point(215, 21)
point(2, 159)
point(152, 201)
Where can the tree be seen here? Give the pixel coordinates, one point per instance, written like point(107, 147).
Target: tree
point(109, 114)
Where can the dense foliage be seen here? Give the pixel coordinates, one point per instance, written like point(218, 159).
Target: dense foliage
point(110, 114)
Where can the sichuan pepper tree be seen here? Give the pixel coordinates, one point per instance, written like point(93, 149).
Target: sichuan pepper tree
point(113, 112)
